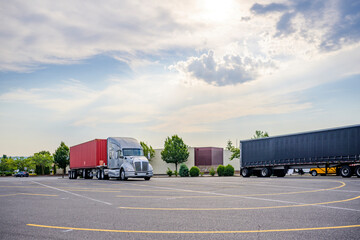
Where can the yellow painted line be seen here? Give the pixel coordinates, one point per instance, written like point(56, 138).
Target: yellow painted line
point(250, 208)
point(28, 194)
point(123, 196)
point(12, 194)
point(38, 194)
point(194, 232)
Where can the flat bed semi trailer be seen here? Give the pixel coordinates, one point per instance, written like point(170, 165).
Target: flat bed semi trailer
point(338, 147)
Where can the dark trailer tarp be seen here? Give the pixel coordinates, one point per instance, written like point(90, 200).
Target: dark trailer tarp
point(331, 146)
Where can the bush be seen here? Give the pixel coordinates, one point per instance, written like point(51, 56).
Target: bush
point(176, 173)
point(8, 174)
point(220, 170)
point(229, 170)
point(212, 171)
point(169, 172)
point(194, 171)
point(184, 171)
point(201, 173)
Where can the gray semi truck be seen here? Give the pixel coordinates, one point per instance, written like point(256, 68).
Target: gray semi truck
point(338, 147)
point(114, 157)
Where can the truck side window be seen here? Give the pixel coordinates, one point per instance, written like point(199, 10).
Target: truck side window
point(119, 154)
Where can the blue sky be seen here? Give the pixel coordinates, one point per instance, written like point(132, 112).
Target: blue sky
point(208, 71)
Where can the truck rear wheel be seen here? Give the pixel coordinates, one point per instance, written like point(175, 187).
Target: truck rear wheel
point(280, 172)
point(357, 171)
point(346, 171)
point(245, 172)
point(265, 172)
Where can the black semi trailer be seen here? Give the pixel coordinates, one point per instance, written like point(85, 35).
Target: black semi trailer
point(339, 147)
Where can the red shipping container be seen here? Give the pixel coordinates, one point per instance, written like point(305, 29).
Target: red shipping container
point(89, 154)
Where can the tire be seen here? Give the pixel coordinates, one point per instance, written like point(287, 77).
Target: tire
point(357, 171)
point(122, 175)
point(265, 172)
point(246, 172)
point(98, 174)
point(313, 173)
point(345, 171)
point(147, 178)
point(69, 173)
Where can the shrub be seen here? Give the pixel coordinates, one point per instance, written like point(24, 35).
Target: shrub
point(8, 174)
point(184, 171)
point(176, 173)
point(220, 170)
point(229, 170)
point(201, 173)
point(169, 172)
point(194, 171)
point(212, 171)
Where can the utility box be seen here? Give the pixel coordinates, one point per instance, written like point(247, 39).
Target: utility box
point(208, 156)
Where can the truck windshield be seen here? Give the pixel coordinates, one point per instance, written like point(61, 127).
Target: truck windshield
point(133, 152)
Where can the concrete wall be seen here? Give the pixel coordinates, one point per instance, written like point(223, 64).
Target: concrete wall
point(160, 166)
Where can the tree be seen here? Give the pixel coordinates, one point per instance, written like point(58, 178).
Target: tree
point(22, 163)
point(7, 164)
point(43, 159)
point(61, 157)
point(175, 151)
point(148, 150)
point(260, 134)
point(234, 150)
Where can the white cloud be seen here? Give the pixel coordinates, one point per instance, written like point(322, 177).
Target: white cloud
point(230, 69)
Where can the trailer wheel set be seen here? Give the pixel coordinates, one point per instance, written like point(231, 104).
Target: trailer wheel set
point(346, 171)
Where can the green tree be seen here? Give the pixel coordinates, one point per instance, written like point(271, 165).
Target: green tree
point(234, 150)
point(260, 134)
point(43, 159)
point(7, 164)
point(148, 150)
point(22, 163)
point(61, 157)
point(175, 151)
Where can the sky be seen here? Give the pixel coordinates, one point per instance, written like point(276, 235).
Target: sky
point(208, 71)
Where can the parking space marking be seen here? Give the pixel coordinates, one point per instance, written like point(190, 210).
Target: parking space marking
point(194, 232)
point(249, 208)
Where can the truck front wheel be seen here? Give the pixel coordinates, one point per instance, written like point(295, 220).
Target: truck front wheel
point(313, 173)
point(147, 178)
point(122, 175)
point(345, 171)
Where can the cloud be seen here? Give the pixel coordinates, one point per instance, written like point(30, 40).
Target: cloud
point(338, 22)
point(229, 70)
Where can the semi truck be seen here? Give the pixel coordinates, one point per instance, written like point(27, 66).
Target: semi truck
point(337, 147)
point(114, 157)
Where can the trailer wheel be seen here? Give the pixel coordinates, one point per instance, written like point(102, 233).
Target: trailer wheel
point(345, 171)
point(246, 172)
point(122, 175)
point(357, 171)
point(313, 173)
point(265, 172)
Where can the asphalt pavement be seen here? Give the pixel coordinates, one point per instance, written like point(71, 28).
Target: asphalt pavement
point(293, 207)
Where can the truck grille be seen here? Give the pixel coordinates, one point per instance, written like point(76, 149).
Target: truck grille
point(141, 166)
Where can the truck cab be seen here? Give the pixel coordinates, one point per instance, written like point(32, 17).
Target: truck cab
point(126, 159)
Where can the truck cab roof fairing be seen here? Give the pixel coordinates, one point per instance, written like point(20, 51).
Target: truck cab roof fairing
point(125, 142)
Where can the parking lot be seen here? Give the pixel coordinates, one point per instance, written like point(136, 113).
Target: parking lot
point(181, 208)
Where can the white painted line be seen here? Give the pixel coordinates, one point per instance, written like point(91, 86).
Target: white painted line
point(78, 195)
